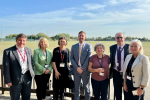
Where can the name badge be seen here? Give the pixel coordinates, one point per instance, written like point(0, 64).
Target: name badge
point(46, 66)
point(117, 64)
point(128, 77)
point(101, 74)
point(62, 64)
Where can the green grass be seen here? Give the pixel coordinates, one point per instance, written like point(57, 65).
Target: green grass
point(54, 44)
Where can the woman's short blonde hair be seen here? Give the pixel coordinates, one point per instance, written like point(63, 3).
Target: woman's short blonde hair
point(46, 41)
point(139, 43)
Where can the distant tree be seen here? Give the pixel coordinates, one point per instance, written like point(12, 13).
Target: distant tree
point(39, 35)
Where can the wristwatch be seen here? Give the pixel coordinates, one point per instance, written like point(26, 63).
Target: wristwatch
point(141, 88)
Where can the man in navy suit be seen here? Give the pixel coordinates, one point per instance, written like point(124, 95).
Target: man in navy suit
point(80, 54)
point(118, 53)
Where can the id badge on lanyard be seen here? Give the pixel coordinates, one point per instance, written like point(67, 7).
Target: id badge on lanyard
point(62, 57)
point(101, 63)
point(62, 64)
point(46, 66)
point(129, 78)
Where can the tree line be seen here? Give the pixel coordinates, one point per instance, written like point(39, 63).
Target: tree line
point(56, 37)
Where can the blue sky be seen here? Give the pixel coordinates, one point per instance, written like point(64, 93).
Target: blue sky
point(95, 17)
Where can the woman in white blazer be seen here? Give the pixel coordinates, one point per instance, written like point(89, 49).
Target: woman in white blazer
point(136, 72)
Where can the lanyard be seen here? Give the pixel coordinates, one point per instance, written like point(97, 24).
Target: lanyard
point(101, 63)
point(62, 56)
point(21, 55)
point(121, 49)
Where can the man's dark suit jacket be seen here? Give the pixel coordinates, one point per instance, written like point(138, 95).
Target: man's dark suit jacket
point(113, 54)
point(12, 67)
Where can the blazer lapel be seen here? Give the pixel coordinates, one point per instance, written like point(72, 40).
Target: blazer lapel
point(129, 58)
point(77, 49)
point(16, 54)
point(27, 54)
point(114, 52)
point(125, 51)
point(47, 55)
point(136, 60)
point(42, 55)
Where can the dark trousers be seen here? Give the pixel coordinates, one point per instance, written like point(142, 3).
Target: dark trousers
point(118, 84)
point(100, 87)
point(41, 82)
point(24, 87)
point(59, 91)
point(129, 94)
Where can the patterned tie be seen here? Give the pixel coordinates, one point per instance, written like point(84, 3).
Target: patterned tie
point(80, 50)
point(119, 59)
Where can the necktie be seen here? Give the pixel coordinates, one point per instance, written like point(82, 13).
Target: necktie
point(119, 59)
point(80, 50)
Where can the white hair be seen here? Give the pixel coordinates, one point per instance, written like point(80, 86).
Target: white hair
point(99, 44)
point(139, 43)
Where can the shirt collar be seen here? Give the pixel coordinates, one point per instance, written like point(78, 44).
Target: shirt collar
point(121, 46)
point(81, 44)
point(20, 48)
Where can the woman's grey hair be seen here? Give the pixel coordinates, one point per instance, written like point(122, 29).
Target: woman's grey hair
point(139, 43)
point(42, 38)
point(99, 44)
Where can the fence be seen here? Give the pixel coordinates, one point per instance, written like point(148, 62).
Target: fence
point(50, 91)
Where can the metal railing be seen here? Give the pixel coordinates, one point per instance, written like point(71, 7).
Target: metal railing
point(50, 91)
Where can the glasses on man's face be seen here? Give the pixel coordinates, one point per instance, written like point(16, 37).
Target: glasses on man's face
point(119, 37)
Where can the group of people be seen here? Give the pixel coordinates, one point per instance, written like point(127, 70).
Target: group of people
point(126, 64)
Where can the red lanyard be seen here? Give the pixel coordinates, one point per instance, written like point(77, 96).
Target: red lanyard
point(21, 55)
point(62, 56)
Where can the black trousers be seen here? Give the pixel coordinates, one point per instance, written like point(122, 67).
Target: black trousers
point(24, 87)
point(59, 91)
point(100, 87)
point(41, 83)
point(129, 95)
point(118, 84)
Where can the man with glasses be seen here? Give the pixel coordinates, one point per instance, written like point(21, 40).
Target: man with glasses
point(118, 53)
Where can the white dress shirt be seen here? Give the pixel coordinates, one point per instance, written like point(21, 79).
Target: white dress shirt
point(122, 58)
point(24, 68)
point(80, 50)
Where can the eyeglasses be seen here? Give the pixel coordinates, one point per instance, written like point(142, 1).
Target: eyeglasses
point(119, 37)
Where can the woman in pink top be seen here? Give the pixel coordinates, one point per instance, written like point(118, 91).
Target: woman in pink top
point(99, 66)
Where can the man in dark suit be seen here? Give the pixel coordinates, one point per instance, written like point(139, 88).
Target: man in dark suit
point(118, 53)
point(18, 69)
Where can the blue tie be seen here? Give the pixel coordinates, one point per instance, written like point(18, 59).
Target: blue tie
point(119, 59)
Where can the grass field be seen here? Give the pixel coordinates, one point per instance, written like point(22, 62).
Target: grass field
point(53, 44)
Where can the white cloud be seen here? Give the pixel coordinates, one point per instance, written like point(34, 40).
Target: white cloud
point(72, 20)
point(87, 14)
point(93, 6)
point(136, 11)
point(113, 2)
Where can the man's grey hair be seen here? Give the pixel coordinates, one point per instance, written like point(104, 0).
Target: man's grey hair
point(119, 33)
point(99, 44)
